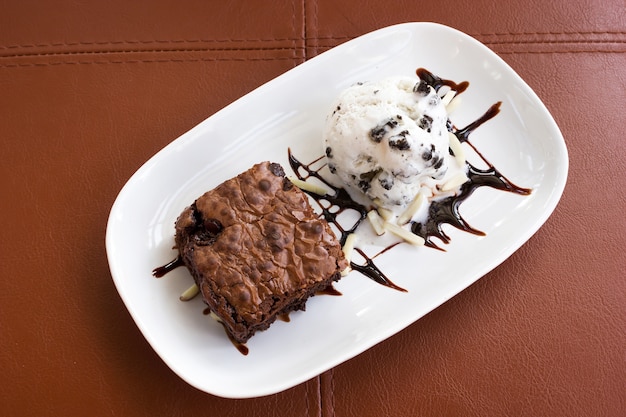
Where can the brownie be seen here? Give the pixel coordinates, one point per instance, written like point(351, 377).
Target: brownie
point(257, 250)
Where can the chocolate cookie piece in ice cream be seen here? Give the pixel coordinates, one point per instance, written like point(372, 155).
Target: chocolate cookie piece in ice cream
point(389, 139)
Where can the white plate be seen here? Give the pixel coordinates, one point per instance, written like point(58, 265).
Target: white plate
point(523, 141)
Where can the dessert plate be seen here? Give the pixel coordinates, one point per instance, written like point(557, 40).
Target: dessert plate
point(523, 141)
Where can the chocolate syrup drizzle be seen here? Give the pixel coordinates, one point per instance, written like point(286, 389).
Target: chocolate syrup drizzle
point(160, 271)
point(445, 211)
point(437, 82)
point(332, 205)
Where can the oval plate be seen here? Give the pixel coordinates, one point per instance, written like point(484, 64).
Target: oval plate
point(523, 141)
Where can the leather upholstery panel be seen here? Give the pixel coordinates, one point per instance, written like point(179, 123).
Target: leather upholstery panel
point(89, 91)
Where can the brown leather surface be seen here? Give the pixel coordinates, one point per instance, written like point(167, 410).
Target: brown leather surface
point(90, 90)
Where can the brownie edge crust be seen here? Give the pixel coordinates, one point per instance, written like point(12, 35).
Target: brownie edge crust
point(256, 249)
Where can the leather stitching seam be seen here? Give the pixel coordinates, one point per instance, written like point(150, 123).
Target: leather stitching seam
point(552, 42)
point(288, 39)
point(147, 51)
point(146, 42)
point(570, 51)
point(144, 61)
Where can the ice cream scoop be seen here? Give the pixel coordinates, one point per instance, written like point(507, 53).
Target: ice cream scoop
point(389, 141)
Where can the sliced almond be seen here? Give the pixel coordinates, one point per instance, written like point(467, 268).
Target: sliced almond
point(214, 317)
point(453, 104)
point(410, 211)
point(446, 99)
point(307, 186)
point(189, 293)
point(386, 214)
point(453, 183)
point(347, 249)
point(455, 145)
point(376, 221)
point(405, 234)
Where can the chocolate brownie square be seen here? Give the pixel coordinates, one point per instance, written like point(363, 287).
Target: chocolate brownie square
point(257, 250)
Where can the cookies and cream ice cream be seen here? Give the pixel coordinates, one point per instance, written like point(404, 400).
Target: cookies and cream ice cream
point(390, 141)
